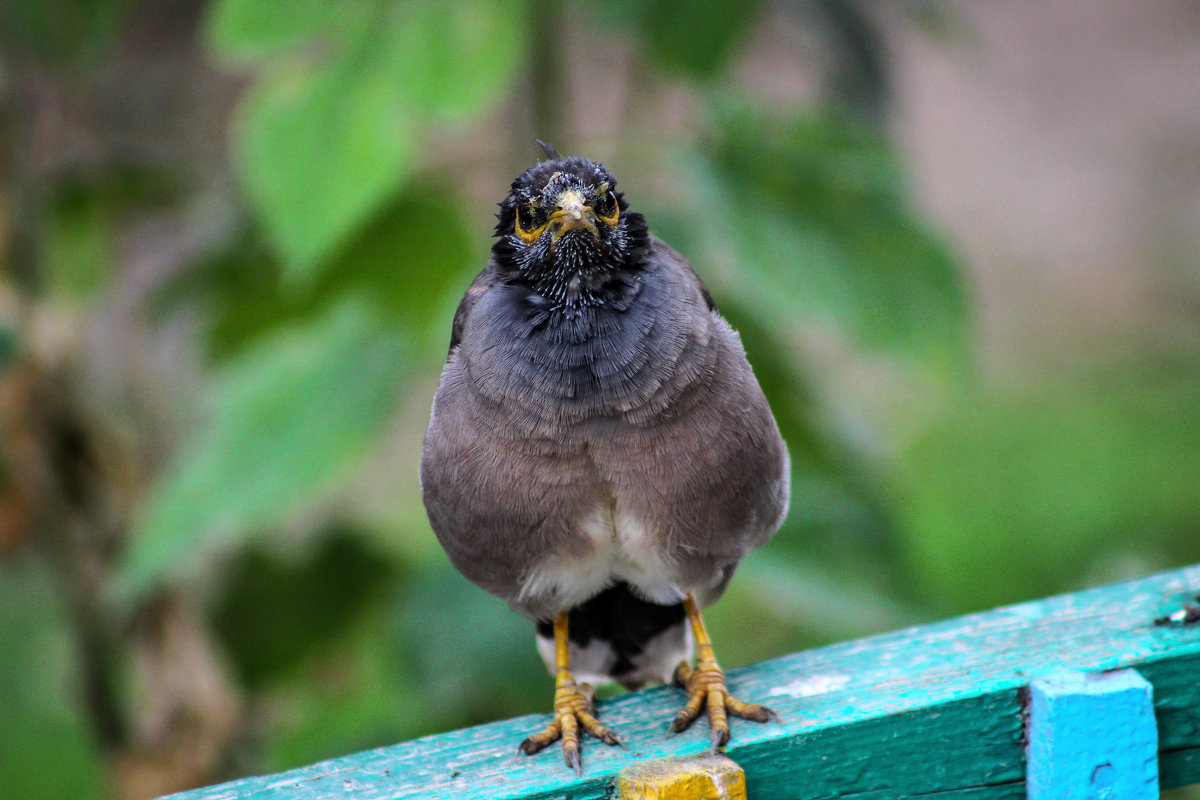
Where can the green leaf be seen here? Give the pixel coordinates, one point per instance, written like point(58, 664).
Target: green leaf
point(323, 143)
point(277, 611)
point(455, 58)
point(251, 30)
point(408, 263)
point(320, 151)
point(408, 260)
point(702, 45)
point(696, 38)
point(815, 215)
point(48, 744)
point(292, 417)
point(240, 287)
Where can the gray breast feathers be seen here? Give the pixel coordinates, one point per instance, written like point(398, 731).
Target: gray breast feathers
point(633, 446)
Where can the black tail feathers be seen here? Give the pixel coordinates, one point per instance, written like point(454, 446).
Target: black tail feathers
point(619, 636)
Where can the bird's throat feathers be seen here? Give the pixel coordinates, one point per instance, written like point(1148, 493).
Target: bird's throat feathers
point(578, 270)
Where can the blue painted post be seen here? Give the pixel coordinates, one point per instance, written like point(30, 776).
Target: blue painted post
point(1092, 737)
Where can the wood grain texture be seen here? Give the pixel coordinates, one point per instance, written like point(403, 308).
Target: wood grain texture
point(935, 708)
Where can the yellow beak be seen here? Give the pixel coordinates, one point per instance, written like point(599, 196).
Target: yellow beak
point(571, 213)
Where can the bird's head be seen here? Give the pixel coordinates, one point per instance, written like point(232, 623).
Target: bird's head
point(563, 217)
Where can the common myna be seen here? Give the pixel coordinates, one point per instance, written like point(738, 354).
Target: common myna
point(599, 453)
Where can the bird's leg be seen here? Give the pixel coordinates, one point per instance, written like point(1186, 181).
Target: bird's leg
point(573, 708)
point(705, 686)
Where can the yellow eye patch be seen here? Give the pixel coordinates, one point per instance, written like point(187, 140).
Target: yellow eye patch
point(525, 227)
point(606, 198)
point(604, 208)
point(609, 219)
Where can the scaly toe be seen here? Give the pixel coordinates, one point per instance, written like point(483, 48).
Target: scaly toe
point(538, 741)
point(753, 712)
point(705, 687)
point(531, 745)
point(574, 712)
point(596, 728)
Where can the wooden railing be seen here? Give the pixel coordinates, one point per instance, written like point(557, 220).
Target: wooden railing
point(1094, 694)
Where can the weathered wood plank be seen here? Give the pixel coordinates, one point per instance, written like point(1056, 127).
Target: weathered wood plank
point(936, 708)
point(1092, 735)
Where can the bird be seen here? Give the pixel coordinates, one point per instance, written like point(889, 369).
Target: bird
point(599, 452)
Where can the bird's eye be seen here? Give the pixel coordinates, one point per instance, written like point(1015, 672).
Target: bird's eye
point(525, 224)
point(606, 207)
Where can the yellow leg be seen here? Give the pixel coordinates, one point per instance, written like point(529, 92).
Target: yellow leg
point(572, 708)
point(705, 686)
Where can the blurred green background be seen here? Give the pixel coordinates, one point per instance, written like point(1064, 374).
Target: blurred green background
point(961, 243)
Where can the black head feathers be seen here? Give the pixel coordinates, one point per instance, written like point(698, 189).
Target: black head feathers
point(564, 223)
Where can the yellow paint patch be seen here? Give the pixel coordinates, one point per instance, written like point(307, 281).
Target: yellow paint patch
point(701, 778)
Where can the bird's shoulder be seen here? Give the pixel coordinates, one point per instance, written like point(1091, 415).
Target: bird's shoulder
point(672, 264)
point(487, 278)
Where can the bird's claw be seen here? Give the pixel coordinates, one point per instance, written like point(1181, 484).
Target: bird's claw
point(705, 687)
point(571, 756)
point(573, 709)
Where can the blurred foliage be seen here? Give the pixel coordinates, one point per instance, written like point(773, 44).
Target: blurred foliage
point(1051, 485)
point(290, 416)
point(822, 230)
point(62, 32)
point(54, 754)
point(267, 484)
point(243, 287)
point(327, 587)
point(332, 126)
point(699, 48)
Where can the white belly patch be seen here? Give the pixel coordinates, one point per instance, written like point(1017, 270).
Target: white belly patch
point(622, 549)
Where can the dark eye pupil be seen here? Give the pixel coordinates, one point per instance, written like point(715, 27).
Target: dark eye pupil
point(524, 216)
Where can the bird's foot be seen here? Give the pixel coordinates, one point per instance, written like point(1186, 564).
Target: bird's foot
point(573, 708)
point(705, 687)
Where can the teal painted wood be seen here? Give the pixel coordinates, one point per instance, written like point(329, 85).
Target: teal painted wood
point(936, 708)
point(1092, 736)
